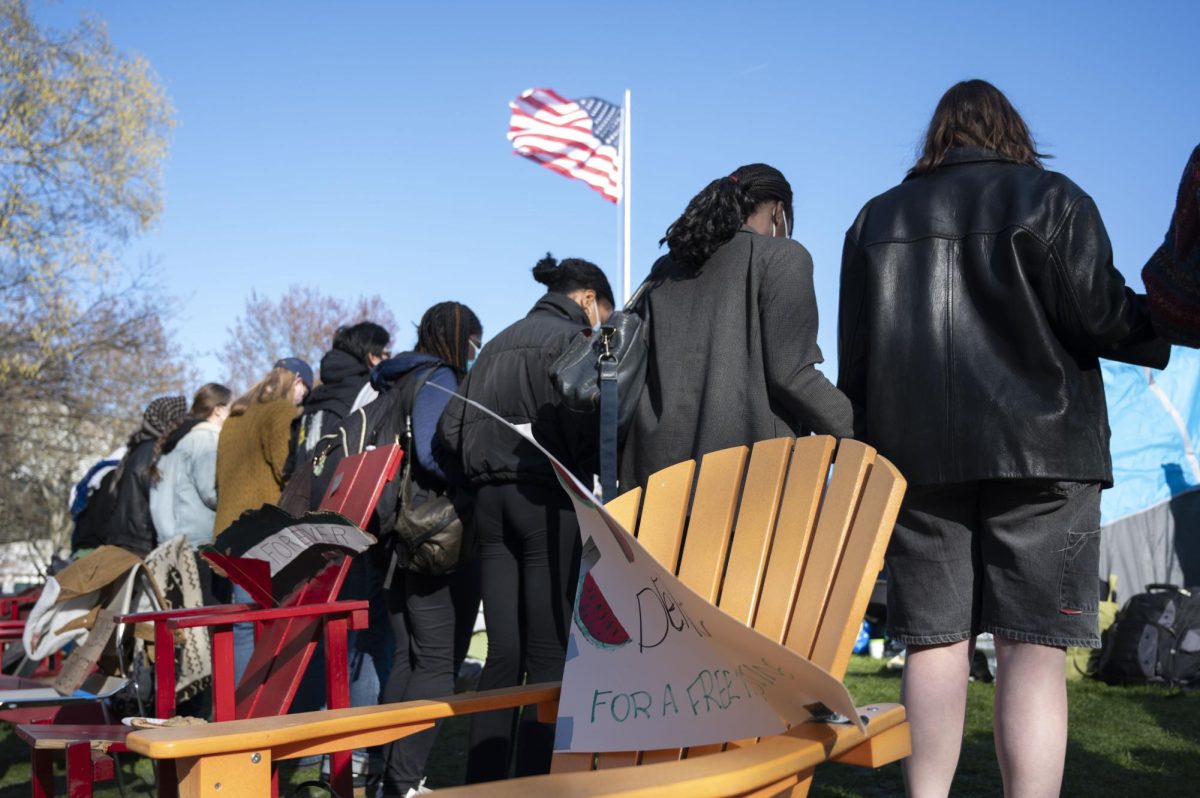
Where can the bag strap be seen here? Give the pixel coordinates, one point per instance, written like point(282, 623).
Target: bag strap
point(610, 400)
point(608, 427)
point(1167, 587)
point(409, 453)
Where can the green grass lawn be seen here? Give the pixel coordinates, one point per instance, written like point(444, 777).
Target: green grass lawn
point(1123, 741)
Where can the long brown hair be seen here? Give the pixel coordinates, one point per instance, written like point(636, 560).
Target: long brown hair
point(210, 396)
point(976, 113)
point(275, 385)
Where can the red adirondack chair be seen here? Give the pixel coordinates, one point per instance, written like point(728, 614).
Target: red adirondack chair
point(286, 637)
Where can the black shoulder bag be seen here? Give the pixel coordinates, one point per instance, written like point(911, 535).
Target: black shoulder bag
point(606, 372)
point(430, 535)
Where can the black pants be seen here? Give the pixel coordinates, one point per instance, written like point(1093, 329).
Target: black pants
point(432, 618)
point(529, 564)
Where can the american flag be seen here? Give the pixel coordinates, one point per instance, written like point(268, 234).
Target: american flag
point(576, 138)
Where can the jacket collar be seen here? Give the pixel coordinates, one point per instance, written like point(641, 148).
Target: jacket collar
point(562, 306)
point(960, 155)
point(957, 156)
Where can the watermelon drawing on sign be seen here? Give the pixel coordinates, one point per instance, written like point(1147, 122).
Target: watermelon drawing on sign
point(595, 618)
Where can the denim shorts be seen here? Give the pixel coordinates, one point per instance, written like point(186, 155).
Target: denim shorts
point(1017, 558)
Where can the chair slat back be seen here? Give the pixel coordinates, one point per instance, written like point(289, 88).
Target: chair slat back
point(759, 508)
point(714, 507)
point(284, 649)
point(664, 512)
point(833, 522)
point(806, 478)
point(775, 538)
point(861, 561)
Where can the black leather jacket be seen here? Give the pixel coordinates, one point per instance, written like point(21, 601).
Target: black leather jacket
point(975, 303)
point(131, 526)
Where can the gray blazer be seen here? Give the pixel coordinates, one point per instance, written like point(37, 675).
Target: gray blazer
point(733, 354)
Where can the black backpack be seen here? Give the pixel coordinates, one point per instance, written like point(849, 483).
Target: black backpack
point(1155, 640)
point(377, 423)
point(91, 525)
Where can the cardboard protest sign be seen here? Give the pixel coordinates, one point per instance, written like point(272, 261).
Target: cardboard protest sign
point(271, 553)
point(650, 664)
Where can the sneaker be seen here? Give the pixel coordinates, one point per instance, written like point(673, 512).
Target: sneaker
point(420, 789)
point(468, 676)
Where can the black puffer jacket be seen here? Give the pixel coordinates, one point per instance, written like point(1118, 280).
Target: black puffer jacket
point(342, 378)
point(512, 378)
point(131, 526)
point(975, 303)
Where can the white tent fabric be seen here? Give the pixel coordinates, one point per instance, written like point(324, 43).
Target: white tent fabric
point(1151, 516)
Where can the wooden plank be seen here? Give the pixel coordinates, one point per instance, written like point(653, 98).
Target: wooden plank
point(617, 759)
point(56, 736)
point(881, 749)
point(779, 788)
point(244, 774)
point(345, 743)
point(624, 508)
point(665, 511)
point(563, 762)
point(861, 562)
point(697, 751)
point(247, 735)
point(717, 492)
point(757, 511)
point(836, 513)
point(806, 477)
point(661, 755)
point(732, 773)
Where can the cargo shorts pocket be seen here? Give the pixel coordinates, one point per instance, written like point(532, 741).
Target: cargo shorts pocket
point(1079, 583)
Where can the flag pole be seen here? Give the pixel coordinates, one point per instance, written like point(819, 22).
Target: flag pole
point(626, 185)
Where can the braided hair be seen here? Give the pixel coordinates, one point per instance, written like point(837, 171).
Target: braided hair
point(719, 210)
point(573, 274)
point(445, 331)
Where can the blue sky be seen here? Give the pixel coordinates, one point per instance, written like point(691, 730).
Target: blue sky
point(359, 146)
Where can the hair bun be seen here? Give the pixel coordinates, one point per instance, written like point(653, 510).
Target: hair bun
point(546, 271)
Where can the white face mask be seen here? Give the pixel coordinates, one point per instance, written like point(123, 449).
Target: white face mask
point(786, 232)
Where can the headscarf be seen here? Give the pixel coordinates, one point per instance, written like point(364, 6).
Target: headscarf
point(164, 414)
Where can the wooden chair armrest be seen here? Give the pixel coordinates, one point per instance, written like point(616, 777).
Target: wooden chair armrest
point(771, 765)
point(355, 609)
point(183, 612)
point(295, 735)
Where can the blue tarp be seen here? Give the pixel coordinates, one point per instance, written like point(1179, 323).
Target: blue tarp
point(1151, 447)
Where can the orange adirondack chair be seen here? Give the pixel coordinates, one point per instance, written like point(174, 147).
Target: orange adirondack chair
point(775, 538)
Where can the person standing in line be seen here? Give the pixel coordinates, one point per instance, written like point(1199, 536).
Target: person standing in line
point(432, 615)
point(345, 369)
point(1172, 275)
point(251, 452)
point(131, 526)
point(733, 331)
point(527, 534)
point(183, 489)
point(976, 300)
